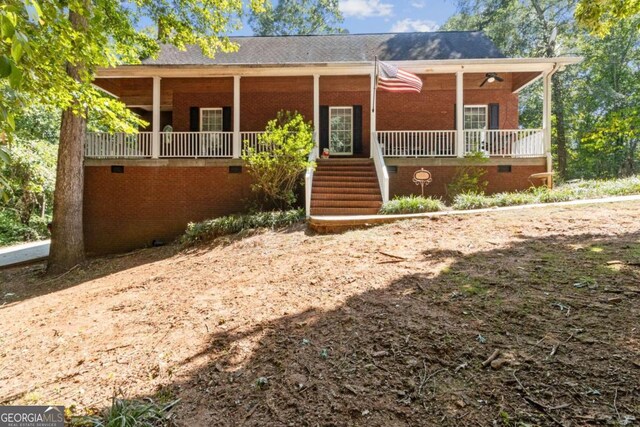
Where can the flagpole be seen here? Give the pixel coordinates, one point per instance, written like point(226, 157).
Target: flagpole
point(375, 84)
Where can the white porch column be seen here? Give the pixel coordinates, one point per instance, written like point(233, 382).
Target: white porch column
point(155, 125)
point(546, 119)
point(460, 113)
point(237, 144)
point(316, 110)
point(372, 120)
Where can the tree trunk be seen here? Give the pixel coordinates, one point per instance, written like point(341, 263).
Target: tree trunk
point(561, 136)
point(67, 240)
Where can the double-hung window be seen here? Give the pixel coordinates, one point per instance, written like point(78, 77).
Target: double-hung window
point(211, 120)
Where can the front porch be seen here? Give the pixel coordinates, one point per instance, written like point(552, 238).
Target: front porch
point(515, 143)
point(215, 117)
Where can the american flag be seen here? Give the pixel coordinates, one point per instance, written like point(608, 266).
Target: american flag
point(393, 79)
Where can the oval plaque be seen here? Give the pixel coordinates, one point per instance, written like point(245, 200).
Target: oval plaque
point(422, 177)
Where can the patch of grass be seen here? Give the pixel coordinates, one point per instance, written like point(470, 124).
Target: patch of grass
point(212, 228)
point(130, 413)
point(571, 191)
point(411, 204)
point(466, 283)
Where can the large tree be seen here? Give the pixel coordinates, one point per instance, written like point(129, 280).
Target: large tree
point(49, 53)
point(529, 28)
point(600, 16)
point(298, 17)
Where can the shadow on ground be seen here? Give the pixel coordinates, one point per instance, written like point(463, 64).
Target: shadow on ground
point(25, 282)
point(563, 313)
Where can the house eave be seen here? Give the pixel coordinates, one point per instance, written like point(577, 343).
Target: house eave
point(338, 68)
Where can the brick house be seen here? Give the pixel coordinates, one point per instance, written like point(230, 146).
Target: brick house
point(186, 165)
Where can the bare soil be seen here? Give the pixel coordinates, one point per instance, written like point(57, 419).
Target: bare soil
point(389, 326)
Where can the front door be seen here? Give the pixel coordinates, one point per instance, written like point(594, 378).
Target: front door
point(341, 131)
point(475, 125)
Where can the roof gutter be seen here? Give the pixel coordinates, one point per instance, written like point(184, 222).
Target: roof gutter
point(337, 68)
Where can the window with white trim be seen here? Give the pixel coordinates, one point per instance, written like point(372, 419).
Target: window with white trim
point(475, 117)
point(340, 130)
point(211, 120)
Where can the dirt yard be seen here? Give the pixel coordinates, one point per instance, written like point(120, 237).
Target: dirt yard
point(389, 326)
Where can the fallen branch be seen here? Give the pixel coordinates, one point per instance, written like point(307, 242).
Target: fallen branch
point(539, 406)
point(393, 256)
point(491, 358)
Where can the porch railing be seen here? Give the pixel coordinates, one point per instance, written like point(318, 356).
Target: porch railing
point(250, 139)
point(422, 143)
point(118, 145)
point(505, 142)
point(308, 180)
point(427, 143)
point(381, 168)
point(196, 144)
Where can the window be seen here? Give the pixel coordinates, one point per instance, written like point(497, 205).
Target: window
point(341, 130)
point(475, 117)
point(211, 120)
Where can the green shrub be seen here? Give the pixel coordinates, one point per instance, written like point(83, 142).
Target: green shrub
point(469, 178)
point(411, 204)
point(13, 231)
point(280, 159)
point(130, 413)
point(210, 229)
point(565, 192)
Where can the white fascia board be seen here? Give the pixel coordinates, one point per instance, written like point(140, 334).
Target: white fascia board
point(503, 65)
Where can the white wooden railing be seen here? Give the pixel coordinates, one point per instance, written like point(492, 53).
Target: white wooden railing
point(308, 179)
point(505, 142)
point(381, 168)
point(250, 139)
point(118, 145)
point(196, 144)
point(428, 143)
point(419, 143)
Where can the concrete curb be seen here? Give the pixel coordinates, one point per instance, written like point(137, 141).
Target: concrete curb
point(24, 253)
point(333, 224)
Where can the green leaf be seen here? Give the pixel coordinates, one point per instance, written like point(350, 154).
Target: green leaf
point(7, 28)
point(15, 78)
point(5, 66)
point(16, 49)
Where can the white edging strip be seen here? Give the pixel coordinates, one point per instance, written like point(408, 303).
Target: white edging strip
point(388, 218)
point(26, 252)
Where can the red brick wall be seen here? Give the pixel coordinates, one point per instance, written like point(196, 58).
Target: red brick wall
point(261, 98)
point(347, 91)
point(435, 109)
point(401, 182)
point(129, 210)
point(218, 94)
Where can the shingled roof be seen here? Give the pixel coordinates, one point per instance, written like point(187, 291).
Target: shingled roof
point(339, 48)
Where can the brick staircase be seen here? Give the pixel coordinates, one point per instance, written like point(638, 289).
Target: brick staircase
point(345, 187)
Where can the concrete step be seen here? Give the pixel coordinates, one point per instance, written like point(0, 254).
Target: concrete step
point(344, 211)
